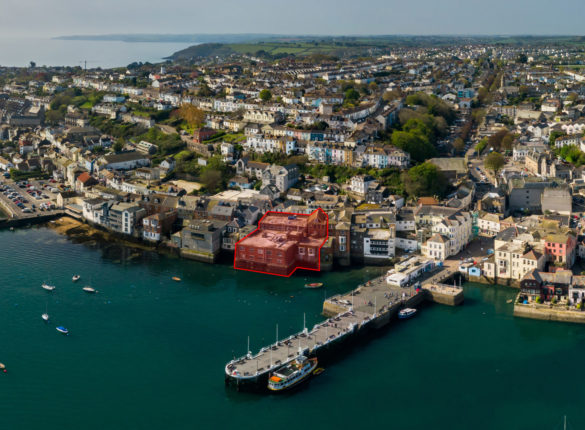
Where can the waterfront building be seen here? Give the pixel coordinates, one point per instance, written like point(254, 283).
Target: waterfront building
point(283, 243)
point(124, 217)
point(200, 239)
point(156, 225)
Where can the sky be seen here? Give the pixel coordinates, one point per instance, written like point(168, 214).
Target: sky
point(42, 18)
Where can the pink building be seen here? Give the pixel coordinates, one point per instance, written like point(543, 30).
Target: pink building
point(561, 248)
point(282, 243)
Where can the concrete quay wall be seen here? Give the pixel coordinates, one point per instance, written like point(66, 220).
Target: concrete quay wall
point(6, 208)
point(548, 314)
point(448, 299)
point(23, 222)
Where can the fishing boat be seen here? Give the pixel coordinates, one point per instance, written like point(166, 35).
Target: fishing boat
point(89, 290)
point(292, 374)
point(176, 279)
point(76, 278)
point(314, 285)
point(47, 286)
point(3, 367)
point(406, 313)
point(318, 371)
point(63, 330)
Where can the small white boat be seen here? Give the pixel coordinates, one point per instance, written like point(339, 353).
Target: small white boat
point(47, 287)
point(406, 313)
point(45, 317)
point(89, 290)
point(76, 278)
point(63, 330)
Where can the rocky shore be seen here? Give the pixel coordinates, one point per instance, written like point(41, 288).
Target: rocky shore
point(81, 232)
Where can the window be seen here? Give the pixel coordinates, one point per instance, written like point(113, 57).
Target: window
point(342, 248)
point(301, 250)
point(311, 252)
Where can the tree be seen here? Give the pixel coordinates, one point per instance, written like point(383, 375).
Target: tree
point(459, 144)
point(265, 95)
point(494, 162)
point(389, 96)
point(192, 115)
point(204, 91)
point(351, 95)
point(522, 59)
point(425, 180)
point(416, 144)
point(507, 142)
point(118, 146)
point(553, 136)
point(211, 178)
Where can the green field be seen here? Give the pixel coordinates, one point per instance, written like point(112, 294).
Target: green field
point(348, 46)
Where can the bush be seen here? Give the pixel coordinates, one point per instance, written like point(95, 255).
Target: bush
point(19, 175)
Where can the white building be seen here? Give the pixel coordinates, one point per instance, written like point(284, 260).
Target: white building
point(360, 184)
point(379, 243)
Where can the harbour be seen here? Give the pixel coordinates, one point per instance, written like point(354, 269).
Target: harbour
point(372, 305)
point(163, 344)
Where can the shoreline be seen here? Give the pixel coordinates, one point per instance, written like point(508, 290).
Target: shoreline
point(82, 232)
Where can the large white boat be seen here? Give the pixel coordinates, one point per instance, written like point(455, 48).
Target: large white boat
point(292, 374)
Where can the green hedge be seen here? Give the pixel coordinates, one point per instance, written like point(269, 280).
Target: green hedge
point(18, 175)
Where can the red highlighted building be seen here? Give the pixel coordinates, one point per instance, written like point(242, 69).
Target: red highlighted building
point(283, 243)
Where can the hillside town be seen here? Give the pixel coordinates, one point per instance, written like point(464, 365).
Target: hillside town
point(470, 156)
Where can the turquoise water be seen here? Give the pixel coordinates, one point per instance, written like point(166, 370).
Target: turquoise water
point(149, 353)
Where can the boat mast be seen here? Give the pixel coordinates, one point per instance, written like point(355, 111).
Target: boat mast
point(565, 425)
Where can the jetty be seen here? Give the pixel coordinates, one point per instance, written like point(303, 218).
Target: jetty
point(370, 306)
